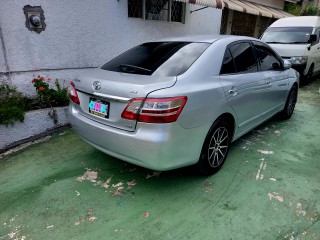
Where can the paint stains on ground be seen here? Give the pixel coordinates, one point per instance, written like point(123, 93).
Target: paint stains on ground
point(246, 145)
point(118, 188)
point(263, 166)
point(303, 210)
point(131, 184)
point(106, 183)
point(14, 235)
point(15, 232)
point(275, 196)
point(278, 133)
point(145, 214)
point(89, 175)
point(299, 211)
point(88, 217)
point(265, 151)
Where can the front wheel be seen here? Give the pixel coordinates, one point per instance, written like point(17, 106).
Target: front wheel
point(215, 148)
point(308, 78)
point(287, 112)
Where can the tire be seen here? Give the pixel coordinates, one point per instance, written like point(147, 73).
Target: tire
point(308, 78)
point(287, 112)
point(215, 148)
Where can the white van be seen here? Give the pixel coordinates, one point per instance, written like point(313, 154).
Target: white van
point(297, 40)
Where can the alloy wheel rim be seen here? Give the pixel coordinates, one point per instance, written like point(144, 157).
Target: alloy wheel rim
point(218, 147)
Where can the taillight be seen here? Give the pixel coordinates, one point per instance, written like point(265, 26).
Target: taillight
point(73, 95)
point(154, 110)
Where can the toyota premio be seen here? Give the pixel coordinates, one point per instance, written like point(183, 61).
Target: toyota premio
point(181, 101)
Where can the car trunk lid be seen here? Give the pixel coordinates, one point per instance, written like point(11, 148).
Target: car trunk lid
point(105, 94)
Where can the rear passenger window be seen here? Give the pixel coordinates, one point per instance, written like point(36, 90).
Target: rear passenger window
point(244, 59)
point(268, 60)
point(227, 64)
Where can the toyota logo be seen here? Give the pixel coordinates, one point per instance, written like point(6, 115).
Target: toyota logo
point(96, 85)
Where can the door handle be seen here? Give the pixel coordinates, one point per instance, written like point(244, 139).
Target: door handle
point(233, 91)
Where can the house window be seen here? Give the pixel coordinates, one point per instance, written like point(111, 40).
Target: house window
point(161, 10)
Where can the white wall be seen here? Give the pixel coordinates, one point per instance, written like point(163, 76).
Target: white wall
point(81, 34)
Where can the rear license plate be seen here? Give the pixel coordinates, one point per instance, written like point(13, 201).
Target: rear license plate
point(99, 107)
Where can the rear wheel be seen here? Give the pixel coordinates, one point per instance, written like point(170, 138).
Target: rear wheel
point(215, 148)
point(290, 103)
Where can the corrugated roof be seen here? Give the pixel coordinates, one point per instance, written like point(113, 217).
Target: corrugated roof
point(241, 6)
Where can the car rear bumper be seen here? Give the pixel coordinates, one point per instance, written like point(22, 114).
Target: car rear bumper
point(154, 146)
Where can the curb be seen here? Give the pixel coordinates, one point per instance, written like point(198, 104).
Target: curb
point(36, 123)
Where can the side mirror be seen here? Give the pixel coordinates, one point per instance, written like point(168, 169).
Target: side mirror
point(312, 38)
point(286, 64)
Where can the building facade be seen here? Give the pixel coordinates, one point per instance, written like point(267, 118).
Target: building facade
point(60, 39)
point(77, 35)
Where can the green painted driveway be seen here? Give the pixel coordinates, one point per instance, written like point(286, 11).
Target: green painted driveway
point(269, 188)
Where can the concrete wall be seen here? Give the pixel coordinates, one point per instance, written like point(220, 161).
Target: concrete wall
point(35, 123)
point(80, 35)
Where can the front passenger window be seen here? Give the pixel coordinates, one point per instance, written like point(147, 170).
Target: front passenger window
point(244, 59)
point(266, 58)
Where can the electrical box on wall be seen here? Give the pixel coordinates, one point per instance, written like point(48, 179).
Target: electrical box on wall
point(34, 18)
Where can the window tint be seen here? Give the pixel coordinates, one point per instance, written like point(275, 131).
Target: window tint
point(243, 57)
point(267, 59)
point(161, 58)
point(227, 64)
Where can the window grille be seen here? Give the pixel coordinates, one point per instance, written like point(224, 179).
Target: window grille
point(135, 8)
point(161, 10)
point(177, 12)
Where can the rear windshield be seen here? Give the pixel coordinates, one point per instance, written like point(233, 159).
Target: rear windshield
point(287, 35)
point(158, 58)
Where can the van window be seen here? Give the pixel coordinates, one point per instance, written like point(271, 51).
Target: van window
point(287, 35)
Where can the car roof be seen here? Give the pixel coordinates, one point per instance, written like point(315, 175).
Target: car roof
point(204, 38)
point(301, 21)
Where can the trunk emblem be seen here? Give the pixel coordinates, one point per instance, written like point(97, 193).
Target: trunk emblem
point(96, 85)
point(132, 90)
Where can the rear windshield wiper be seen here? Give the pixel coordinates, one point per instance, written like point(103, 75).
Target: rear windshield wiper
point(276, 42)
point(287, 42)
point(297, 43)
point(132, 68)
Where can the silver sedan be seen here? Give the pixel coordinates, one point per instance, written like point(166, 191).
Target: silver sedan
point(181, 101)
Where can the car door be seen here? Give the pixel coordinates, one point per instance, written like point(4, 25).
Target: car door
point(244, 86)
point(271, 69)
